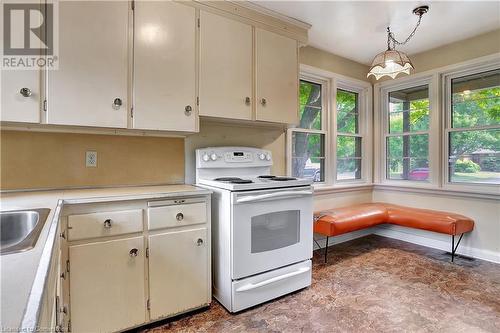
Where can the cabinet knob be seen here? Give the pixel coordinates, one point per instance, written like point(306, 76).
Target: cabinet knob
point(187, 110)
point(107, 224)
point(133, 252)
point(263, 101)
point(26, 92)
point(179, 217)
point(117, 103)
point(247, 100)
point(199, 242)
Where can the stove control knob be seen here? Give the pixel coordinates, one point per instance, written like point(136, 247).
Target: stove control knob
point(262, 156)
point(268, 157)
point(205, 157)
point(213, 157)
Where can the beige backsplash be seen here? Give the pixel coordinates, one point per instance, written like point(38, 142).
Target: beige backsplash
point(32, 160)
point(37, 160)
point(229, 134)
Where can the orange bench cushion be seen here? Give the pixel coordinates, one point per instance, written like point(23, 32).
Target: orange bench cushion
point(339, 221)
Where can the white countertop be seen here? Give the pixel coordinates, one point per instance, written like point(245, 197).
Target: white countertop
point(19, 271)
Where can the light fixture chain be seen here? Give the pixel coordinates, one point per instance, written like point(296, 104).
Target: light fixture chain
point(395, 42)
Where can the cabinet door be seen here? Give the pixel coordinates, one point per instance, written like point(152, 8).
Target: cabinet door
point(91, 81)
point(164, 66)
point(225, 67)
point(276, 78)
point(20, 96)
point(107, 290)
point(178, 272)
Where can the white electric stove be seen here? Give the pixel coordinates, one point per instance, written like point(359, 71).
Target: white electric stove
point(261, 226)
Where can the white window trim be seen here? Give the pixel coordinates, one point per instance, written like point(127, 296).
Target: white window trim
point(438, 125)
point(364, 89)
point(383, 123)
point(364, 118)
point(447, 128)
point(325, 89)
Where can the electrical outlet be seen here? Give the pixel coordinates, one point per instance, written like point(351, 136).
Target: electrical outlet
point(91, 159)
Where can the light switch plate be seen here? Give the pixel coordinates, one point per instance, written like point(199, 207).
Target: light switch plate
point(91, 159)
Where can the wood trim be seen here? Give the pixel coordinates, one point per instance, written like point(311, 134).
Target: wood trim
point(257, 16)
point(324, 190)
point(13, 126)
point(439, 192)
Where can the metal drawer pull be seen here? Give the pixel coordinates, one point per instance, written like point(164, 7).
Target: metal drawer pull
point(26, 92)
point(107, 224)
point(199, 242)
point(133, 252)
point(263, 102)
point(251, 286)
point(187, 110)
point(247, 100)
point(117, 103)
point(179, 217)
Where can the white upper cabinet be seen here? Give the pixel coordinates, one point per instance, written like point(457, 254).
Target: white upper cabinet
point(225, 67)
point(277, 79)
point(164, 66)
point(20, 96)
point(21, 92)
point(143, 65)
point(90, 86)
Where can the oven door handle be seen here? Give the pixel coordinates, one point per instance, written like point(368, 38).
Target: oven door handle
point(252, 286)
point(251, 198)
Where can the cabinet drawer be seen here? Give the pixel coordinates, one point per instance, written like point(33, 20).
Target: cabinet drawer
point(177, 215)
point(104, 224)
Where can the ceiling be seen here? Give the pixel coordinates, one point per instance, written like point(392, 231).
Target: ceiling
point(357, 29)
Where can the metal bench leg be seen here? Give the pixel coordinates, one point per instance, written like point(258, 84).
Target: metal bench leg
point(453, 247)
point(326, 249)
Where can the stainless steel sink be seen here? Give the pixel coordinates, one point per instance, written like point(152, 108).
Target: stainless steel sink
point(19, 229)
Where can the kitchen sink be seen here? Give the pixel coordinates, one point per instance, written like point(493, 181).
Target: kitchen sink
point(20, 229)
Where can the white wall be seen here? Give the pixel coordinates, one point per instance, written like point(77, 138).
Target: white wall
point(339, 199)
point(214, 134)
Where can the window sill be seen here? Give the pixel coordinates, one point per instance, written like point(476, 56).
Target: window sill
point(321, 189)
point(432, 189)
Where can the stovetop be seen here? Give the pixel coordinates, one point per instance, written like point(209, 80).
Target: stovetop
point(255, 182)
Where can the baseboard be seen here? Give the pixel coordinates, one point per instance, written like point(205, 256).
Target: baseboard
point(438, 244)
point(467, 251)
point(342, 238)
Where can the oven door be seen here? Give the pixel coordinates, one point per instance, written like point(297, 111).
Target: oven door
point(270, 229)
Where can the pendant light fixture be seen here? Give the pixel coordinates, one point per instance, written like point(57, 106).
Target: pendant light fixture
point(392, 62)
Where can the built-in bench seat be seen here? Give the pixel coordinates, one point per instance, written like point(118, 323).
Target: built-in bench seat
point(338, 221)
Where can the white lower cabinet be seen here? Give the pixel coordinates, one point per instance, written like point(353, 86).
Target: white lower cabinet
point(125, 272)
point(107, 288)
point(178, 272)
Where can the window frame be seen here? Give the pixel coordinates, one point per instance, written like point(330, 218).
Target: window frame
point(447, 78)
point(363, 125)
point(330, 82)
point(324, 124)
point(382, 121)
point(439, 122)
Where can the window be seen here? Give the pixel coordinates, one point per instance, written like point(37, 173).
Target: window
point(348, 148)
point(329, 143)
point(407, 137)
point(474, 129)
point(308, 139)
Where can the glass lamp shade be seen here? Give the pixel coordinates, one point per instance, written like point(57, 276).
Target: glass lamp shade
point(390, 63)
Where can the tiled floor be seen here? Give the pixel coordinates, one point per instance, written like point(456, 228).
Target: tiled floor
point(373, 284)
